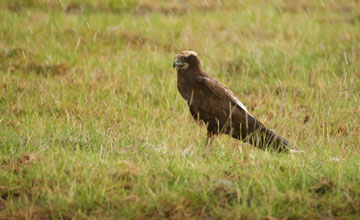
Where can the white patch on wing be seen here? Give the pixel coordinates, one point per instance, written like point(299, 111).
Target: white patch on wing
point(239, 103)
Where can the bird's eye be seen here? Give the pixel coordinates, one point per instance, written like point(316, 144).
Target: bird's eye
point(185, 59)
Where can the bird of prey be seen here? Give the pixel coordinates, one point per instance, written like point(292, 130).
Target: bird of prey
point(214, 104)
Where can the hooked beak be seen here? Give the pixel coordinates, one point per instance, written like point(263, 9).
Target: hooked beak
point(177, 64)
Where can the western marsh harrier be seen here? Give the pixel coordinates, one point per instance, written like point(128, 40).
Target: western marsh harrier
point(217, 106)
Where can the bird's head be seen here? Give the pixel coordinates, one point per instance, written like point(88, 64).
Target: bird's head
point(186, 60)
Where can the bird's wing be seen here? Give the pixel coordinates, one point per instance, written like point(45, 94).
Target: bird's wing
point(265, 135)
point(221, 91)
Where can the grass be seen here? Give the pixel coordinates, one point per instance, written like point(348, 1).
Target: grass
point(92, 125)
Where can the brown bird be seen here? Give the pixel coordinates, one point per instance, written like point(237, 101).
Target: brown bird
point(214, 104)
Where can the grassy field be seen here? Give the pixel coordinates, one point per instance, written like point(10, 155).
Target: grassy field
point(92, 125)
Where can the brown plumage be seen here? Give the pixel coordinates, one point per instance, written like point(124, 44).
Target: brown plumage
point(216, 105)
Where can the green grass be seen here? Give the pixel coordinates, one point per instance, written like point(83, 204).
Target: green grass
point(92, 125)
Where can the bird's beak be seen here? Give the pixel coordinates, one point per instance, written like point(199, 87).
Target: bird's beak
point(174, 64)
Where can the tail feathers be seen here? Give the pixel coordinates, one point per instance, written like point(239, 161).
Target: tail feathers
point(266, 138)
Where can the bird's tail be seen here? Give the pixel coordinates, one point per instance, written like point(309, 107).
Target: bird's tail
point(266, 138)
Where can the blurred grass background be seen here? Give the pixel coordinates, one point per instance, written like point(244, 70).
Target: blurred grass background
point(92, 125)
